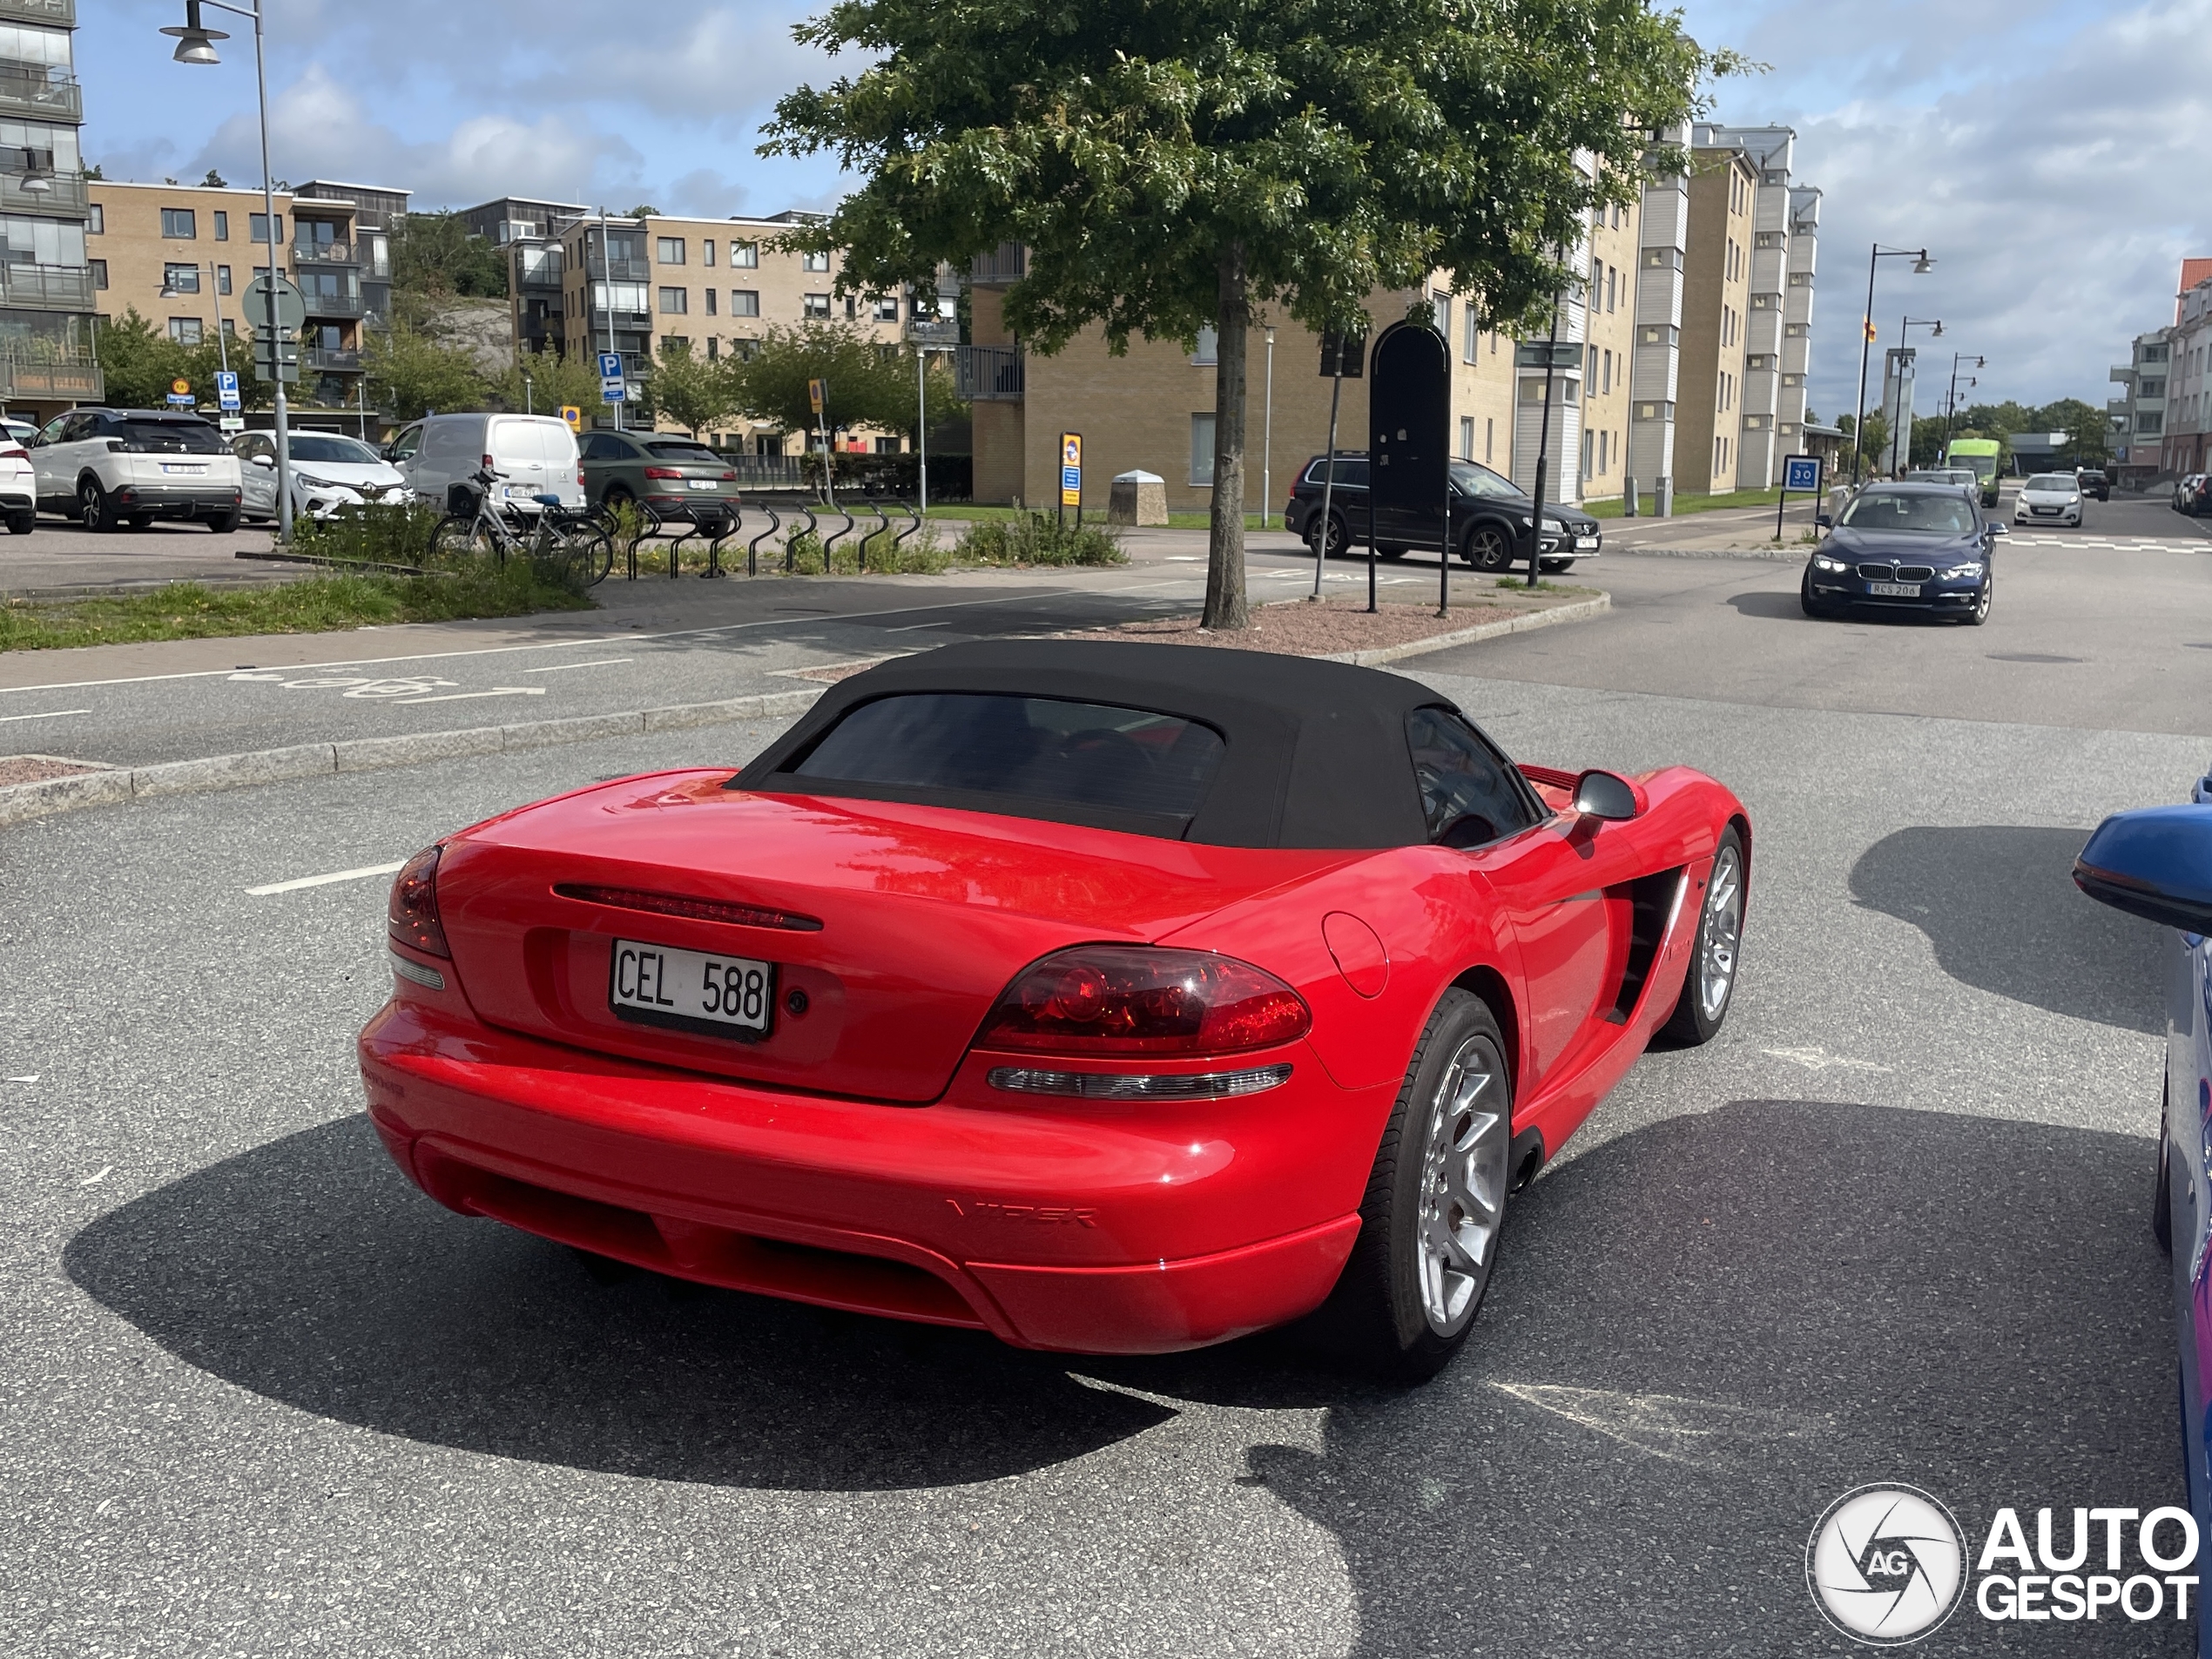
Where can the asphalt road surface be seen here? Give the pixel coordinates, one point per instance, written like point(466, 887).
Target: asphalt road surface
point(263, 1397)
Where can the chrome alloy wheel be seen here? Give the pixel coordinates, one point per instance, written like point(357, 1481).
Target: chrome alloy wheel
point(1463, 1186)
point(1723, 921)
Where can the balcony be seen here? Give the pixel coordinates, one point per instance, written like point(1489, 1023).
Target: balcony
point(626, 270)
point(1008, 262)
point(633, 320)
point(331, 359)
point(49, 287)
point(51, 377)
point(66, 193)
point(988, 374)
point(324, 253)
point(324, 304)
point(30, 89)
point(55, 13)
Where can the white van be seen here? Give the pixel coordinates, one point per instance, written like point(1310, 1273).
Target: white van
point(533, 455)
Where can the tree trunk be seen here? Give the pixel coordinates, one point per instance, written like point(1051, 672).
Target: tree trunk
point(1226, 606)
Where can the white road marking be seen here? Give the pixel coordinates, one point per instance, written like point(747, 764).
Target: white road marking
point(298, 882)
point(29, 1077)
point(50, 714)
point(462, 697)
point(95, 1180)
point(562, 668)
point(1816, 1058)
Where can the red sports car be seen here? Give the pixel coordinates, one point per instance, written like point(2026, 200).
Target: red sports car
point(1110, 998)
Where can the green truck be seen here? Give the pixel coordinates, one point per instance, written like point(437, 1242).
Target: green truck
point(1985, 456)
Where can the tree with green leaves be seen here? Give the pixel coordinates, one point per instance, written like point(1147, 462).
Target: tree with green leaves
point(868, 385)
point(554, 381)
point(436, 254)
point(690, 390)
point(412, 374)
point(2088, 428)
point(1174, 166)
point(140, 362)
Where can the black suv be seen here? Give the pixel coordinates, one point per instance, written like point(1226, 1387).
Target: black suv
point(1491, 518)
point(2094, 483)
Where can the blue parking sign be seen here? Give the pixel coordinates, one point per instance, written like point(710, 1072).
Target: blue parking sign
point(1801, 475)
point(226, 389)
point(610, 364)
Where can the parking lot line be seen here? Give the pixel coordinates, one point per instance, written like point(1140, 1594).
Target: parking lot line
point(298, 882)
point(50, 714)
point(462, 697)
point(562, 668)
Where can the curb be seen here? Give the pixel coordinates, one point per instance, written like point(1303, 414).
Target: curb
point(1785, 556)
point(1581, 610)
point(20, 802)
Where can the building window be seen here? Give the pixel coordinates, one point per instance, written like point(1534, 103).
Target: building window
point(99, 272)
point(95, 221)
point(1589, 455)
point(887, 308)
point(674, 302)
point(668, 250)
point(1490, 440)
point(1441, 304)
point(710, 302)
point(1202, 451)
point(2149, 422)
point(1471, 345)
point(1467, 437)
point(181, 279)
point(744, 255)
point(2153, 387)
point(1209, 352)
point(1663, 258)
point(815, 306)
point(713, 342)
point(222, 226)
point(185, 330)
point(179, 225)
point(852, 307)
point(813, 261)
point(744, 302)
point(258, 227)
point(706, 250)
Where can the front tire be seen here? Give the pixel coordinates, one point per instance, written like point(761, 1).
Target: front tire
point(1488, 548)
point(1710, 987)
point(1806, 603)
point(1392, 552)
point(1434, 1209)
point(224, 523)
point(1557, 567)
point(1980, 614)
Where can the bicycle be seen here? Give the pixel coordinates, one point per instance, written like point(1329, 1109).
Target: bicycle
point(575, 542)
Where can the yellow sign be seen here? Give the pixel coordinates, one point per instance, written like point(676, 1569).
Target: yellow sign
point(180, 387)
point(1870, 335)
point(818, 393)
point(1071, 470)
point(573, 415)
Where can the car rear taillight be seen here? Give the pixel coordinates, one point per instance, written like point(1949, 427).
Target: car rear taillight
point(661, 472)
point(16, 452)
point(413, 909)
point(729, 477)
point(487, 463)
point(1102, 999)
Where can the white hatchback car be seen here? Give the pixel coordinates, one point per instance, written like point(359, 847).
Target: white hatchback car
point(2049, 498)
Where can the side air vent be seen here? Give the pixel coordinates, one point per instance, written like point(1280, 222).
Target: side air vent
point(1651, 903)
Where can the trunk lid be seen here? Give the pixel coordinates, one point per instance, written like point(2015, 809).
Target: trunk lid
point(926, 915)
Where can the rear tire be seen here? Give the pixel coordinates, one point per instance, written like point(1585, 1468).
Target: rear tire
point(1434, 1210)
point(1715, 954)
point(457, 537)
point(94, 510)
point(1392, 552)
point(22, 523)
point(1340, 536)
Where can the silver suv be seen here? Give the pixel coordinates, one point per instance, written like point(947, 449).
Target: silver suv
point(109, 467)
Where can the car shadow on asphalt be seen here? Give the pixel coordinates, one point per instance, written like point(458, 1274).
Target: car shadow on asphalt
point(1701, 1333)
point(2000, 908)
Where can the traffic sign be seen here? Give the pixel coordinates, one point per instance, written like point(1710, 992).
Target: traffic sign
point(1071, 470)
point(183, 398)
point(1801, 475)
point(232, 423)
point(817, 394)
point(1555, 355)
point(611, 392)
point(572, 415)
point(291, 305)
point(179, 387)
point(610, 364)
point(1344, 354)
point(226, 389)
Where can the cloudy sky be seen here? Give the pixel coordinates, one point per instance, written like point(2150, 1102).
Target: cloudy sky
point(2049, 154)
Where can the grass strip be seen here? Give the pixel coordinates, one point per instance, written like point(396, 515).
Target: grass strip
point(310, 605)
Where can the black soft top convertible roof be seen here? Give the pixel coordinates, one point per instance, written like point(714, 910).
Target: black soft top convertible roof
point(1317, 753)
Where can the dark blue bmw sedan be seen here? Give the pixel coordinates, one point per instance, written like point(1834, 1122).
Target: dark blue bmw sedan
point(1923, 548)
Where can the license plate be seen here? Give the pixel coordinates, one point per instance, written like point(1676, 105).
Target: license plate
point(726, 997)
point(1585, 543)
point(2052, 511)
point(1894, 589)
point(170, 466)
point(704, 483)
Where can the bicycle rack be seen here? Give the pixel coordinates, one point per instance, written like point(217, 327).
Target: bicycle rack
point(648, 523)
point(791, 559)
point(882, 525)
point(826, 546)
point(752, 548)
point(727, 525)
point(900, 540)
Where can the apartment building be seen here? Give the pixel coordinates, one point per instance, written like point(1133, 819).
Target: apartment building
point(530, 232)
point(182, 255)
point(378, 210)
point(1717, 296)
point(47, 297)
point(633, 286)
point(2189, 384)
point(2139, 414)
point(1803, 264)
point(1769, 151)
point(1610, 262)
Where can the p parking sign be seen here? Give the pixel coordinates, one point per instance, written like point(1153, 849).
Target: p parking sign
point(1801, 475)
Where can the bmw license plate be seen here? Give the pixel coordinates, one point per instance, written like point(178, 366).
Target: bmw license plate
point(702, 484)
point(732, 997)
point(1894, 589)
point(1585, 543)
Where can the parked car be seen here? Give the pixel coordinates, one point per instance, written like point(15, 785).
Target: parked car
point(1491, 518)
point(2156, 863)
point(2094, 482)
point(743, 1029)
point(531, 455)
point(2048, 498)
point(2193, 494)
point(1957, 477)
point(115, 467)
point(677, 477)
point(1904, 547)
point(330, 472)
point(18, 484)
point(23, 432)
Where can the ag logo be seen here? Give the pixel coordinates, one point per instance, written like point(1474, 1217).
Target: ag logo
point(1887, 1565)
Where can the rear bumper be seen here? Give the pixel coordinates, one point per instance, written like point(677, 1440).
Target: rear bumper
point(176, 501)
point(1137, 1230)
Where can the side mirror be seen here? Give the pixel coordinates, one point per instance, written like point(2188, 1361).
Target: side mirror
point(265, 461)
point(2155, 864)
point(1826, 521)
point(1999, 529)
point(1607, 795)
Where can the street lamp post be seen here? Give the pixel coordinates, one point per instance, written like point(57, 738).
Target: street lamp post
point(196, 44)
point(1921, 262)
point(1901, 443)
point(1951, 402)
point(1267, 436)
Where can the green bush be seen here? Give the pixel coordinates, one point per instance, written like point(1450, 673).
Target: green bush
point(1038, 538)
point(374, 534)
